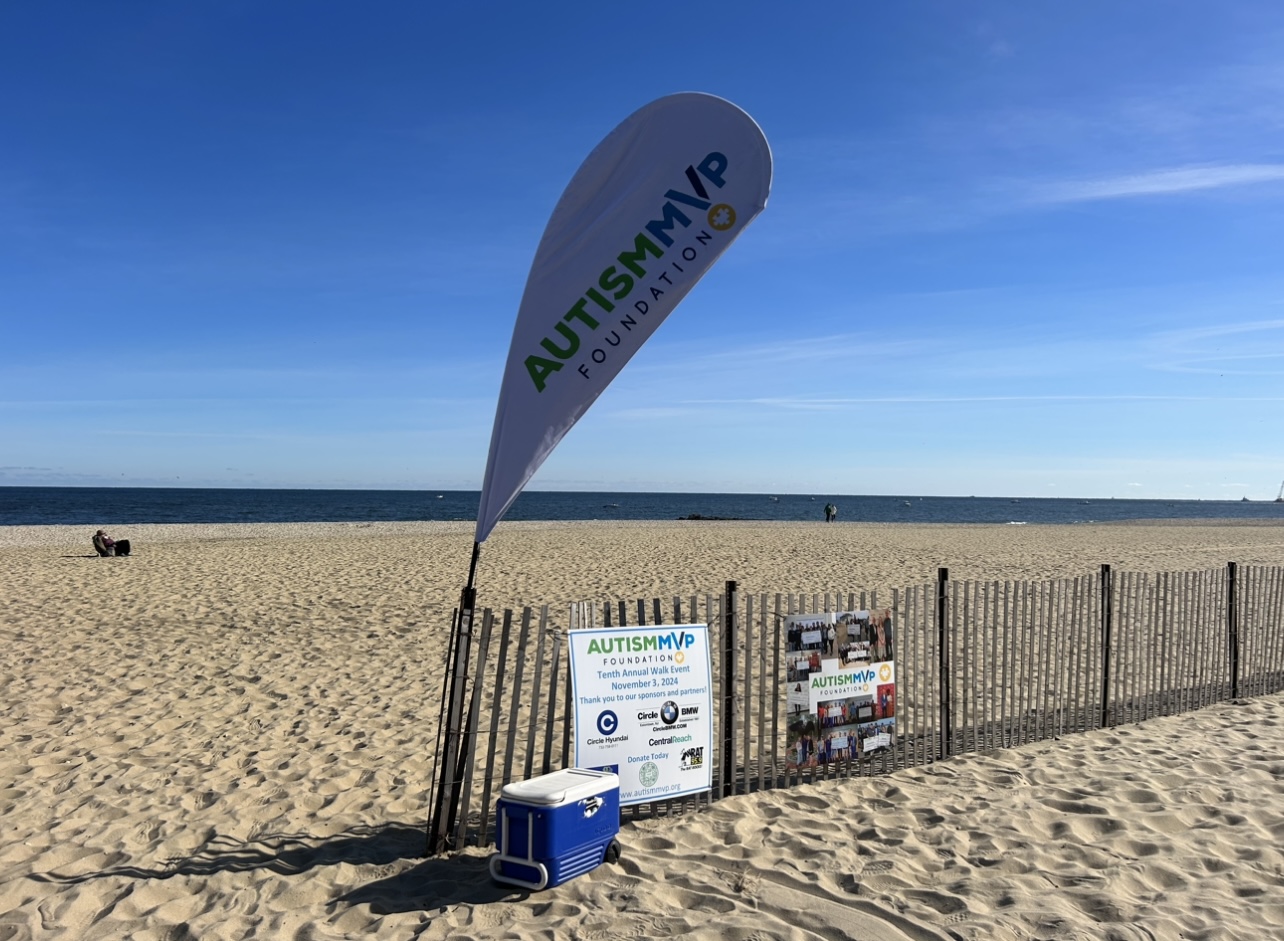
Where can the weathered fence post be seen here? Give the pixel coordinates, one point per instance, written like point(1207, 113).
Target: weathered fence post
point(569, 699)
point(943, 658)
point(1107, 628)
point(551, 718)
point(729, 690)
point(468, 747)
point(446, 799)
point(1232, 624)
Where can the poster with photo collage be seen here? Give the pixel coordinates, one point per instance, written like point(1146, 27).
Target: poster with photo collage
point(840, 686)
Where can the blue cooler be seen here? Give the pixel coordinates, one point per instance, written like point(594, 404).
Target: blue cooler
point(555, 827)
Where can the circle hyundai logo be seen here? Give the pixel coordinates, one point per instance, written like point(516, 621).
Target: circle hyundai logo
point(607, 722)
point(669, 712)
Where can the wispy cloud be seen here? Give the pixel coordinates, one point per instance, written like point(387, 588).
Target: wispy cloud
point(689, 408)
point(1245, 349)
point(814, 349)
point(240, 435)
point(1213, 331)
point(946, 171)
point(822, 403)
point(1160, 182)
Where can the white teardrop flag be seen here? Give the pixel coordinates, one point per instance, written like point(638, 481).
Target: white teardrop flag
point(645, 216)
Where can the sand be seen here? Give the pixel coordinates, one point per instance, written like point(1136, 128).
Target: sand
point(230, 734)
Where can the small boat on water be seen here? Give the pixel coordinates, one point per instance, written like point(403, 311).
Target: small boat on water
point(1280, 497)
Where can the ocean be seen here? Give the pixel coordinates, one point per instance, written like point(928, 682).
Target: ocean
point(113, 506)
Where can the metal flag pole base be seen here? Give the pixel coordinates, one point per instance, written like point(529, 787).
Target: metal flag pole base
point(450, 750)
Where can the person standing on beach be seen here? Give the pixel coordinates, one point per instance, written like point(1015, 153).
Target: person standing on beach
point(830, 512)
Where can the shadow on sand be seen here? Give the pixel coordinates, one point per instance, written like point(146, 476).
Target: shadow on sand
point(431, 884)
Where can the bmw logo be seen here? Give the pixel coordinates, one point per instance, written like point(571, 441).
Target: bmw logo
point(607, 722)
point(669, 712)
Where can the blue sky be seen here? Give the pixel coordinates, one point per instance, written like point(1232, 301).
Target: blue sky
point(1011, 248)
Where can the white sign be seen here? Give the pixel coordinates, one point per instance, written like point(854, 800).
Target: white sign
point(643, 701)
point(797, 699)
point(874, 742)
point(849, 683)
point(645, 216)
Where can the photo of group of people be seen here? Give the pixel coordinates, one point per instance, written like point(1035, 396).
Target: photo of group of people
point(869, 636)
point(840, 686)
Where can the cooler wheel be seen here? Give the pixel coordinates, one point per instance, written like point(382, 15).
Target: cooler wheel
point(613, 852)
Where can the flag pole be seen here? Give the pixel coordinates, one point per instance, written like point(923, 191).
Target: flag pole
point(450, 755)
point(635, 205)
point(472, 566)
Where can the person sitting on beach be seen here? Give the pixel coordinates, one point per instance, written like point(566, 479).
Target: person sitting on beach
point(104, 545)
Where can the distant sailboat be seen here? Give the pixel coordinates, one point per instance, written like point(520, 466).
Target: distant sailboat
point(1280, 497)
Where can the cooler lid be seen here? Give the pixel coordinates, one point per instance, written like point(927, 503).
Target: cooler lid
point(561, 787)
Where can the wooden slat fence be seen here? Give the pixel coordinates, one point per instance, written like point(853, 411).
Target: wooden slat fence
point(979, 665)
